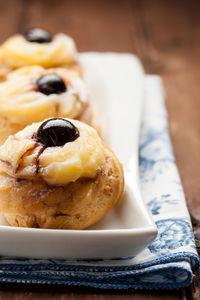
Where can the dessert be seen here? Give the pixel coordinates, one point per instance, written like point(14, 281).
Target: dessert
point(32, 94)
point(38, 47)
point(58, 174)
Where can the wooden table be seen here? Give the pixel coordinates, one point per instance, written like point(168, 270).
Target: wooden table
point(166, 37)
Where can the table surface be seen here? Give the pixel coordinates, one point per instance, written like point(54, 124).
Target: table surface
point(166, 37)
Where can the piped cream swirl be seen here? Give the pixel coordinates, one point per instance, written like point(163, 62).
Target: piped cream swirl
point(21, 102)
point(22, 157)
point(17, 52)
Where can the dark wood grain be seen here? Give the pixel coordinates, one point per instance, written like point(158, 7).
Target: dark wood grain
point(175, 56)
point(166, 37)
point(21, 292)
point(10, 12)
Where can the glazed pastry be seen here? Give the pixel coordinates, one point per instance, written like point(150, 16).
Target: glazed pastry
point(32, 94)
point(38, 47)
point(58, 174)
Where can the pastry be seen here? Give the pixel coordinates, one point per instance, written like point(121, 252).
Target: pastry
point(58, 174)
point(38, 47)
point(32, 94)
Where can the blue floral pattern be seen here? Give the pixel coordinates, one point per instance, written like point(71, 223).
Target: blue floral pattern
point(156, 203)
point(172, 234)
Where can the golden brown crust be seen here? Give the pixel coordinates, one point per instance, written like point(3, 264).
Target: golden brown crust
point(77, 205)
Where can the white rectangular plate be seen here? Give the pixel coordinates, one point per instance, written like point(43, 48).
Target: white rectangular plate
point(116, 84)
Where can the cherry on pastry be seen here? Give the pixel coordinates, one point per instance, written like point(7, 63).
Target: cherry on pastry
point(51, 84)
point(38, 35)
point(56, 132)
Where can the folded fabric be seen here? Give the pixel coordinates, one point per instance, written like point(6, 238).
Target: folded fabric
point(169, 262)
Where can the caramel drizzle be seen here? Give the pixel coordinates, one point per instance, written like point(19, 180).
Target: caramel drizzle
point(6, 162)
point(38, 158)
point(24, 154)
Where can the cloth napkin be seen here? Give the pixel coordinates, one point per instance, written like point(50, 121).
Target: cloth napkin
point(169, 262)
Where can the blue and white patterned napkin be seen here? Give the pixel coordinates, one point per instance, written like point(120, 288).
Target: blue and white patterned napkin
point(169, 262)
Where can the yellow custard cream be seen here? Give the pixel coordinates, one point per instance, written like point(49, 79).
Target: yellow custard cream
point(17, 51)
point(21, 156)
point(20, 100)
